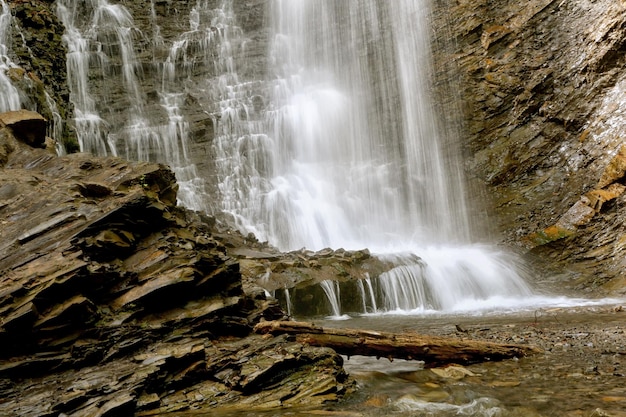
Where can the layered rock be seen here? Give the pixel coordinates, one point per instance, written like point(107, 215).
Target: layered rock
point(541, 88)
point(38, 52)
point(115, 301)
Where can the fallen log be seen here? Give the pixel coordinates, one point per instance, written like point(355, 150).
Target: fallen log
point(433, 350)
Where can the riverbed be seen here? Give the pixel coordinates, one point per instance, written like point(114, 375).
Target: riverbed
point(580, 373)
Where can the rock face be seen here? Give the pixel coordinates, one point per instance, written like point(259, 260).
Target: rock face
point(541, 89)
point(29, 126)
point(115, 301)
point(38, 52)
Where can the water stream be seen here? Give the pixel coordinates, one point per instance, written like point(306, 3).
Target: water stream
point(9, 95)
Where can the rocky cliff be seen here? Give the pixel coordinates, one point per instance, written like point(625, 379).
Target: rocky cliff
point(541, 87)
point(115, 301)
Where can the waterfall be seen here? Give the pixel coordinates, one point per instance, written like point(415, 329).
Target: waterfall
point(336, 144)
point(350, 154)
point(367, 295)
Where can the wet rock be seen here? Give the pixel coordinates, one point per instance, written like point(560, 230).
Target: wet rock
point(27, 126)
point(455, 372)
point(114, 301)
point(615, 170)
point(294, 278)
point(37, 48)
point(541, 87)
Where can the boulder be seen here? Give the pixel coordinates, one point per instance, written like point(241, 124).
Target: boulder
point(27, 126)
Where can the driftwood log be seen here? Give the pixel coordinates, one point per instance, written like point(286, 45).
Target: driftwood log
point(433, 350)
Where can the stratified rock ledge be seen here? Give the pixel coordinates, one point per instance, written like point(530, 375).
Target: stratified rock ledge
point(114, 301)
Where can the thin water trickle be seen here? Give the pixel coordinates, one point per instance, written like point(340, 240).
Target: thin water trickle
point(9, 95)
point(14, 98)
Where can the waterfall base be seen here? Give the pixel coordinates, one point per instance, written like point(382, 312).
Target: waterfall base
point(470, 280)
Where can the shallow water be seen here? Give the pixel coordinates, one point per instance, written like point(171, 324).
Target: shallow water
point(580, 373)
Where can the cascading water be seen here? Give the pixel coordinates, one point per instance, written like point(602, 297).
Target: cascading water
point(349, 154)
point(129, 89)
point(338, 146)
point(9, 95)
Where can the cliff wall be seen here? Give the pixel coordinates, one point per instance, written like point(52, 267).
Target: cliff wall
point(542, 92)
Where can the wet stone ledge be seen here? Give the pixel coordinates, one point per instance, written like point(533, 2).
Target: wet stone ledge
point(114, 301)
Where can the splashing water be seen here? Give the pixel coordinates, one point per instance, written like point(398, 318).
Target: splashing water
point(349, 155)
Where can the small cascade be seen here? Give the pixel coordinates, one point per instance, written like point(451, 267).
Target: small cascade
point(331, 289)
point(288, 302)
point(361, 287)
point(456, 278)
point(405, 287)
point(125, 106)
point(56, 125)
point(369, 296)
point(439, 283)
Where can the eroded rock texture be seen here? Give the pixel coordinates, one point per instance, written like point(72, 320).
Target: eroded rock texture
point(114, 300)
point(542, 89)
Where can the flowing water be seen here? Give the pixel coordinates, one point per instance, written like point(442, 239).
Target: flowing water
point(337, 144)
point(349, 154)
point(579, 373)
point(9, 94)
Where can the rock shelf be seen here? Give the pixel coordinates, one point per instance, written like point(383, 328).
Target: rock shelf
point(115, 301)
